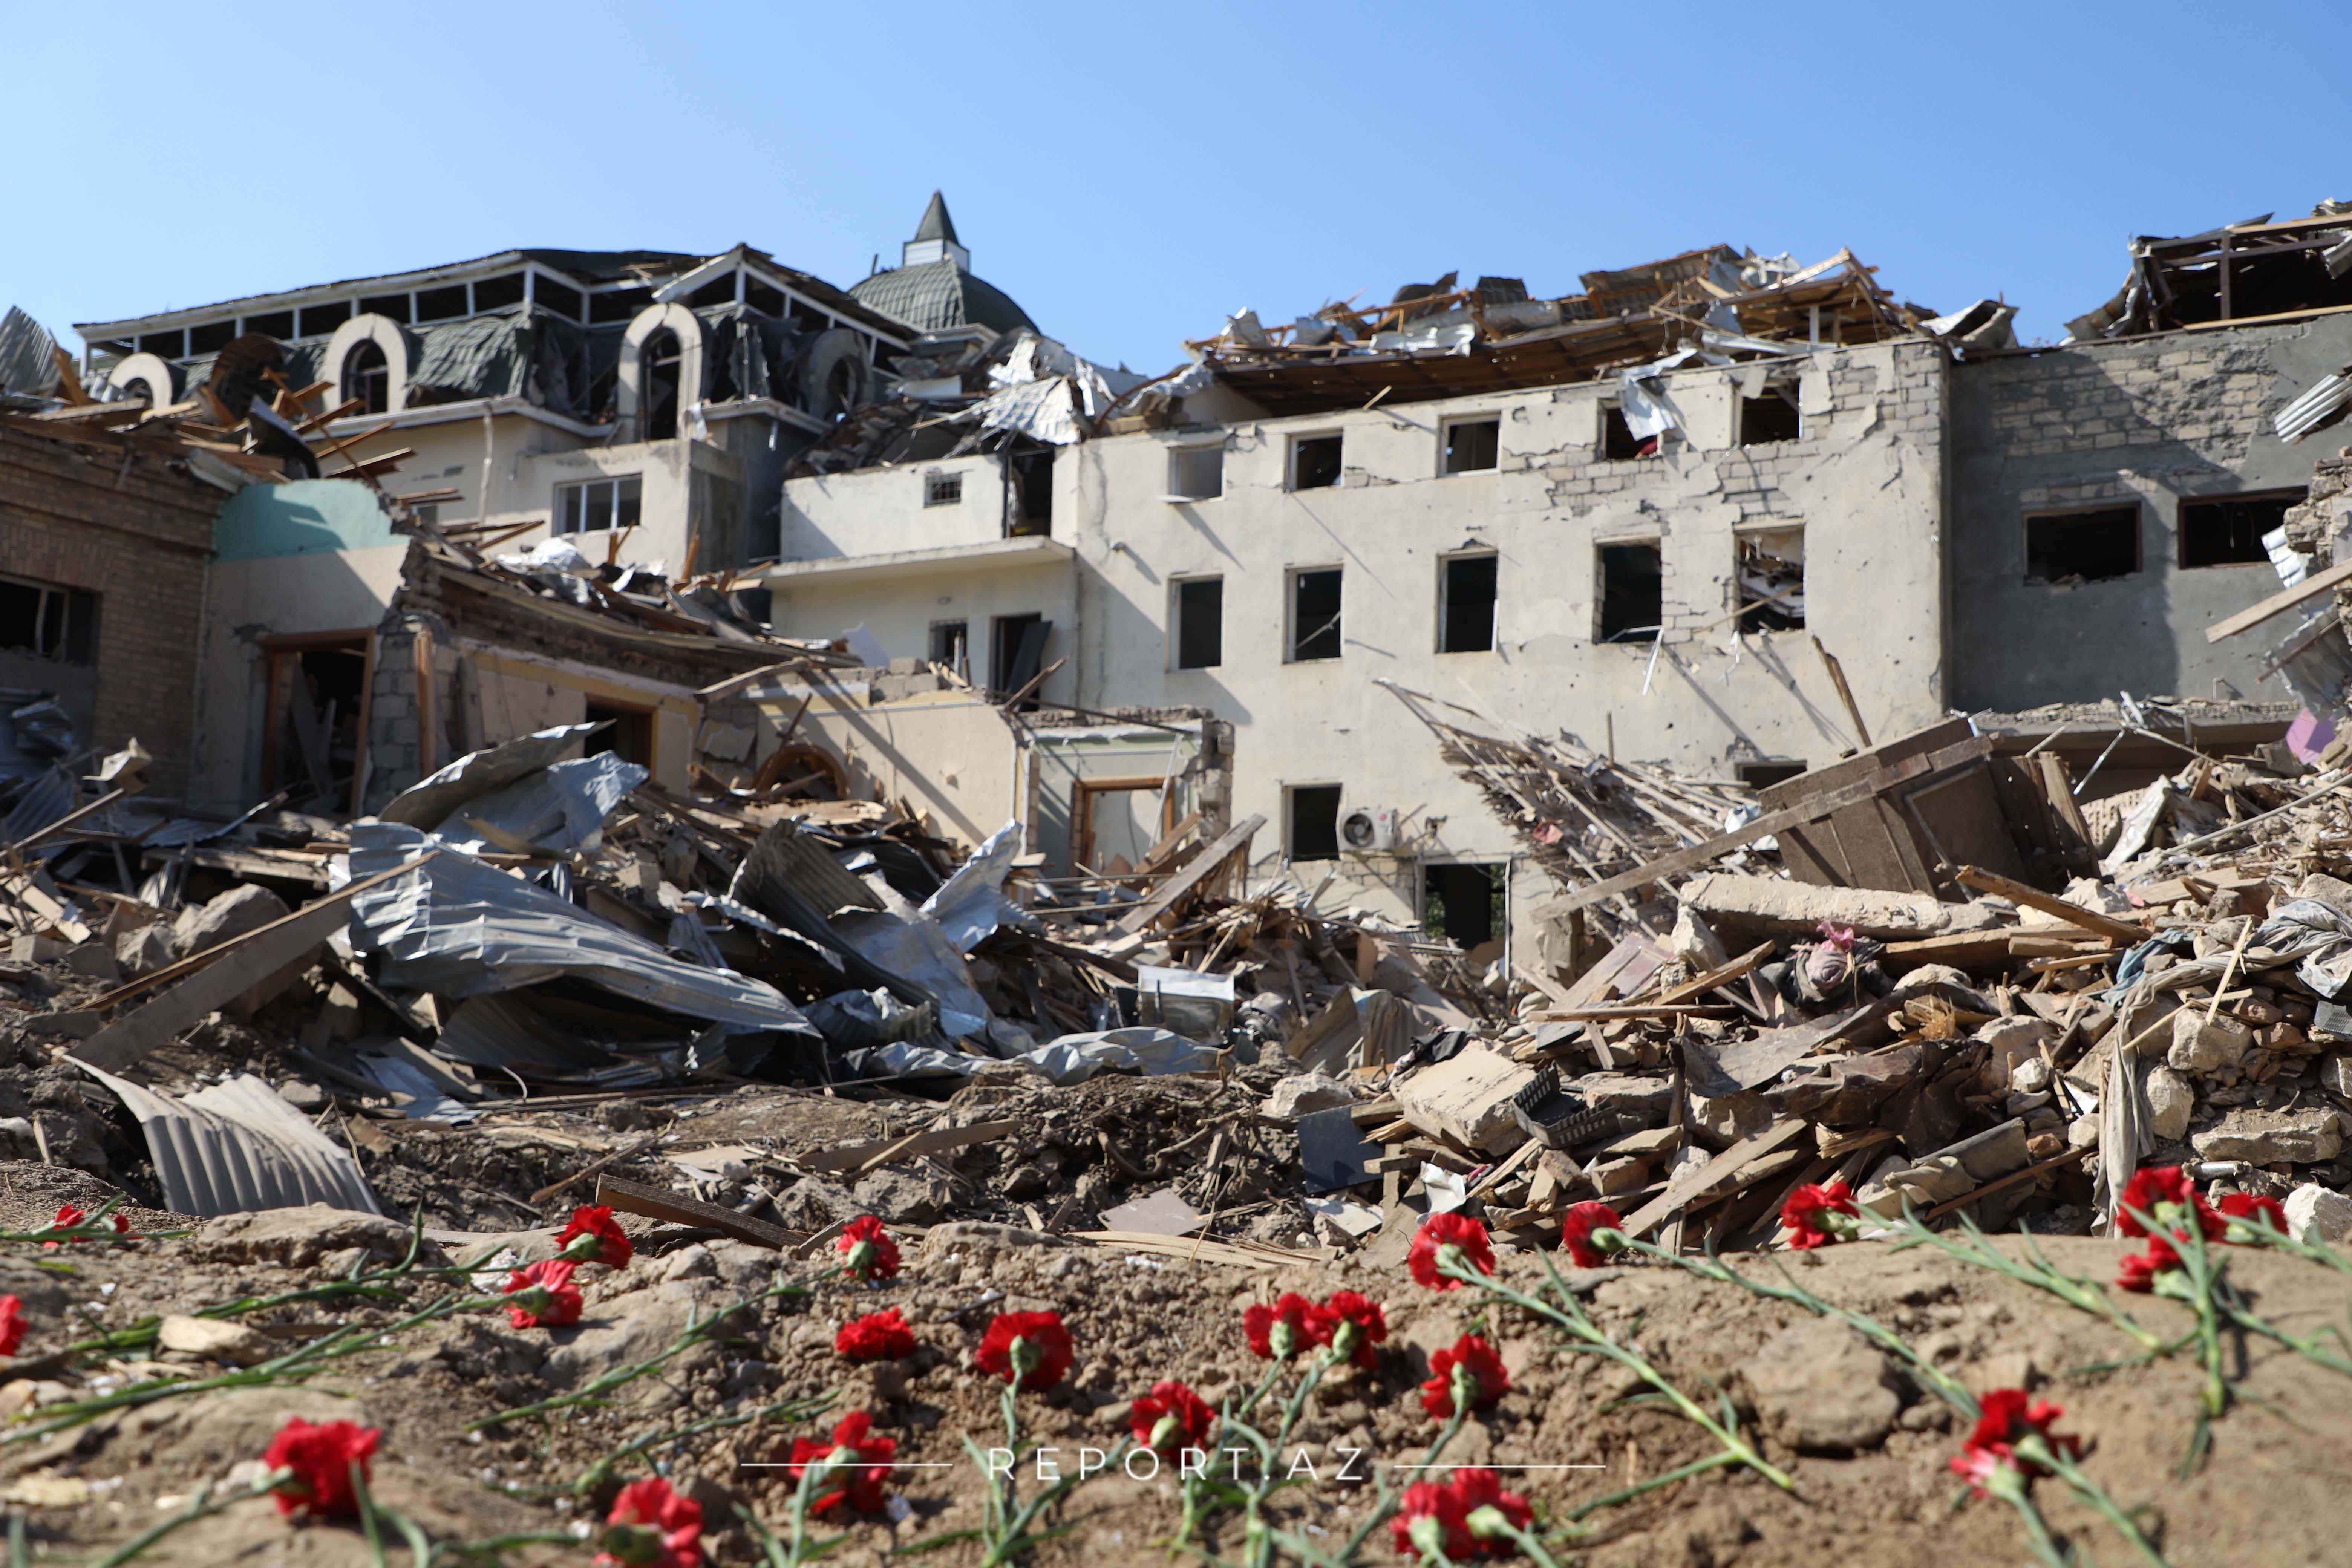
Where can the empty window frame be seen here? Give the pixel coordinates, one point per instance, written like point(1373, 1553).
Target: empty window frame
point(1313, 811)
point(596, 505)
point(1766, 771)
point(1472, 446)
point(1771, 579)
point(1029, 494)
point(628, 732)
point(1465, 603)
point(441, 304)
point(1196, 473)
point(951, 645)
point(1315, 615)
point(942, 489)
point(278, 324)
point(320, 321)
point(48, 621)
point(1629, 580)
point(1315, 461)
point(1463, 904)
point(2227, 531)
point(1617, 442)
point(1016, 654)
point(1769, 418)
point(561, 298)
point(367, 377)
point(2090, 546)
point(1200, 623)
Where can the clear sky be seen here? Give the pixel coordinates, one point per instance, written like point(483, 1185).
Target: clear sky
point(1132, 174)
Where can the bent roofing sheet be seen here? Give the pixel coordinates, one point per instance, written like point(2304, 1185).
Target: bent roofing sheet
point(236, 1147)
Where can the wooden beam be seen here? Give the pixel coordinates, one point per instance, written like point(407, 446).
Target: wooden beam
point(659, 1203)
point(1701, 984)
point(865, 1157)
point(1716, 1176)
point(1984, 882)
point(1845, 692)
point(2311, 587)
point(1232, 842)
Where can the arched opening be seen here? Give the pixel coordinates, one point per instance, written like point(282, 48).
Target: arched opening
point(367, 377)
point(658, 376)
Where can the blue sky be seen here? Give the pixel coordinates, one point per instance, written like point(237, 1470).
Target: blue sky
point(1132, 174)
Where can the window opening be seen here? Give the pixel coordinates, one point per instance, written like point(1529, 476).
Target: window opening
point(1314, 822)
point(497, 293)
point(943, 490)
point(367, 377)
point(1467, 604)
point(1617, 442)
point(441, 304)
point(1200, 623)
point(1315, 615)
point(214, 336)
point(1196, 473)
point(720, 290)
point(596, 505)
point(1030, 475)
point(1766, 771)
point(1769, 418)
point(657, 374)
point(48, 621)
point(1633, 593)
point(1017, 654)
point(2227, 531)
point(1773, 575)
point(278, 324)
point(764, 298)
point(2082, 546)
point(629, 736)
point(320, 321)
point(1463, 904)
point(612, 305)
point(1314, 462)
point(950, 645)
point(1472, 445)
point(173, 345)
point(391, 307)
point(561, 299)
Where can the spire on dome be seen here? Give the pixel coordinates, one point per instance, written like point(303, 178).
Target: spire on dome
point(935, 223)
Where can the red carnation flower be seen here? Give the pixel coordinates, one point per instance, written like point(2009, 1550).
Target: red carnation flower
point(594, 1237)
point(321, 1458)
point(1453, 1238)
point(651, 1527)
point(1575, 1233)
point(2167, 1195)
point(1471, 1369)
point(868, 1251)
point(2007, 1416)
point(12, 1324)
point(2257, 1213)
point(542, 1296)
point(1170, 1417)
point(1806, 1208)
point(877, 1336)
point(855, 1451)
point(1485, 1506)
point(68, 1216)
point(1356, 1324)
point(2139, 1271)
point(1292, 1326)
point(1433, 1520)
point(1032, 1349)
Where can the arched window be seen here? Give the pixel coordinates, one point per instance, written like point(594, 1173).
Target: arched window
point(658, 375)
point(367, 377)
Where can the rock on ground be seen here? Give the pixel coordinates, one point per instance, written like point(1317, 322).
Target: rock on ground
point(1820, 1387)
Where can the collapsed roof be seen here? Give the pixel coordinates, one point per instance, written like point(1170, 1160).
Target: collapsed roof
point(2241, 271)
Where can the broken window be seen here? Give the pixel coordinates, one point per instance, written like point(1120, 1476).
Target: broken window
point(764, 298)
point(1314, 821)
point(657, 374)
point(441, 304)
point(1200, 623)
point(1617, 442)
point(611, 305)
point(2082, 546)
point(48, 620)
point(497, 293)
point(596, 505)
point(1315, 615)
point(942, 489)
point(1472, 445)
point(628, 735)
point(561, 299)
point(1466, 607)
point(2227, 531)
point(1018, 654)
point(367, 377)
point(1463, 904)
point(173, 345)
point(1771, 418)
point(951, 645)
point(1633, 592)
point(1030, 500)
point(1314, 462)
point(214, 336)
point(1196, 473)
point(1772, 574)
point(391, 307)
point(1766, 771)
point(278, 324)
point(720, 290)
point(320, 321)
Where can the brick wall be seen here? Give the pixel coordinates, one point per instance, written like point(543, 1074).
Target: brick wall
point(139, 536)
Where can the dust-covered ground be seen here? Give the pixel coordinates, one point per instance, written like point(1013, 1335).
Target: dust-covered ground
point(2272, 1488)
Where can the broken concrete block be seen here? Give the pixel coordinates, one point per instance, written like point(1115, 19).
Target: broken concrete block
point(902, 1197)
point(2172, 1100)
point(1467, 1098)
point(234, 1344)
point(2008, 1042)
point(2316, 1214)
point(37, 949)
point(143, 951)
point(92, 961)
point(2336, 1075)
point(247, 907)
point(1725, 1119)
point(728, 743)
point(1302, 1093)
point(1748, 909)
point(1695, 943)
point(2273, 1137)
point(77, 1024)
point(1647, 1098)
point(1821, 1387)
point(2204, 1048)
point(1622, 1173)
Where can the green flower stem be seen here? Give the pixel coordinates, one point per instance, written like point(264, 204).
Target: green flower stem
point(1254, 1529)
point(789, 1410)
point(1978, 1252)
point(202, 1505)
point(2279, 1240)
point(1525, 1539)
point(2032, 1447)
point(2199, 1278)
point(2008, 1483)
point(2245, 1318)
point(1698, 1467)
point(1572, 1317)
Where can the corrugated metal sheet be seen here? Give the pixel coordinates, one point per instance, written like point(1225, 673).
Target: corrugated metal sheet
point(26, 366)
point(428, 802)
point(236, 1147)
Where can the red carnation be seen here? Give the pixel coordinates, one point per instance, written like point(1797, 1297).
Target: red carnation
point(594, 1237)
point(2167, 1195)
point(651, 1527)
point(1575, 1233)
point(1485, 1507)
point(1170, 1417)
point(1807, 1211)
point(1032, 1349)
point(2139, 1271)
point(1469, 1370)
point(1357, 1323)
point(877, 1336)
point(2256, 1213)
point(2009, 1415)
point(321, 1458)
point(855, 1450)
point(1292, 1326)
point(1452, 1238)
point(12, 1324)
point(68, 1216)
point(542, 1296)
point(868, 1250)
point(1433, 1520)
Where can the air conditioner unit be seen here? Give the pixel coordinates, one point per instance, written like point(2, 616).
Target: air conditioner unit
point(1368, 829)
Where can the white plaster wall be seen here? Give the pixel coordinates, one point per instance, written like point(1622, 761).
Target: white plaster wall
point(947, 752)
point(874, 511)
point(900, 611)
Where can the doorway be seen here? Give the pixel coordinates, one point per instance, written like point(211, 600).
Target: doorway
point(314, 735)
point(1464, 903)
